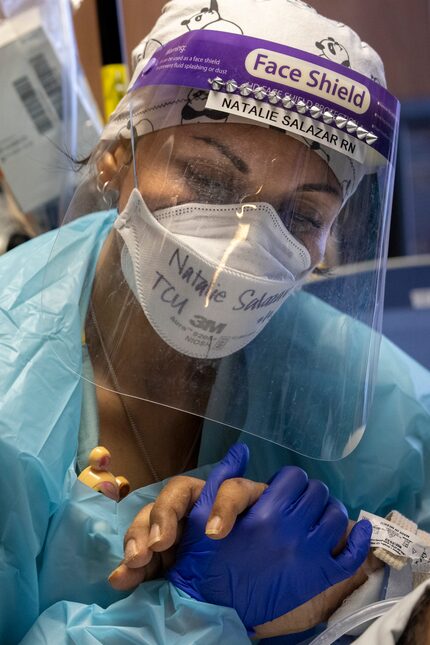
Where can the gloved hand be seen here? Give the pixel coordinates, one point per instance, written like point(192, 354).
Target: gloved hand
point(278, 555)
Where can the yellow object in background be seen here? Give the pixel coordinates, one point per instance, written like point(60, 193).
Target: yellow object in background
point(98, 477)
point(114, 84)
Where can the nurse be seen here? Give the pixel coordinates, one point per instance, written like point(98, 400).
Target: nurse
point(168, 324)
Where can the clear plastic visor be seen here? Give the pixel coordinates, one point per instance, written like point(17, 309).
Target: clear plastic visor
point(238, 276)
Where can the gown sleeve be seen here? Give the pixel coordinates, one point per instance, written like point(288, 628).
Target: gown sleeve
point(59, 540)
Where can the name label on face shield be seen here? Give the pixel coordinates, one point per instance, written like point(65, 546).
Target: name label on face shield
point(208, 297)
point(290, 122)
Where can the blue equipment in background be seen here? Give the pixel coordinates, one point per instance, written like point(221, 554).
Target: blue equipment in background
point(406, 320)
point(410, 233)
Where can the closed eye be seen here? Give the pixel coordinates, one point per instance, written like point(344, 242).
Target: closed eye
point(209, 184)
point(300, 222)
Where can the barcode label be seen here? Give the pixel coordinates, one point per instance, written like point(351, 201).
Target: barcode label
point(32, 104)
point(50, 80)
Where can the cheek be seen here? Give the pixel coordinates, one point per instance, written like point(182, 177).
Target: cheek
point(156, 186)
point(317, 246)
point(161, 192)
point(127, 185)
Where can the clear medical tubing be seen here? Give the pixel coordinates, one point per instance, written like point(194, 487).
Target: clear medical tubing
point(358, 618)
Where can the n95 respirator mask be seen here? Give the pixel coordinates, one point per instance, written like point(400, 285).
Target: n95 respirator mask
point(209, 277)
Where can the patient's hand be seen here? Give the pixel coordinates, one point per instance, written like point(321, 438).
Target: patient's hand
point(150, 542)
point(154, 549)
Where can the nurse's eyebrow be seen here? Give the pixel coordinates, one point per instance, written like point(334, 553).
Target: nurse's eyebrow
point(237, 162)
point(319, 188)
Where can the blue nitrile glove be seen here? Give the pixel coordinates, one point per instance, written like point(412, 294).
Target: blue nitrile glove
point(278, 555)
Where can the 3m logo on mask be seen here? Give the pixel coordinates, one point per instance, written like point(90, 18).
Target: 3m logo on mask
point(211, 326)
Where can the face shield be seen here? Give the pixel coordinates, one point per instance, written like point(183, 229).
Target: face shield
point(242, 213)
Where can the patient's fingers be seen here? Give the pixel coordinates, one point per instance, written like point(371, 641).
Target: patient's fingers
point(136, 551)
point(172, 505)
point(124, 577)
point(233, 498)
point(157, 527)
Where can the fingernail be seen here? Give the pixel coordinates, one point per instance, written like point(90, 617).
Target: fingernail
point(213, 527)
point(109, 490)
point(114, 574)
point(154, 535)
point(130, 550)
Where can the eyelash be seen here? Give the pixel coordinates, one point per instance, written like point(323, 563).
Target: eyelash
point(211, 186)
point(291, 217)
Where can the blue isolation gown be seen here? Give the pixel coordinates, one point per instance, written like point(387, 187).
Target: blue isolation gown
point(59, 540)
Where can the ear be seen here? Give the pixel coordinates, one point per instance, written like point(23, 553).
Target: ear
point(113, 162)
point(214, 6)
point(320, 46)
point(185, 23)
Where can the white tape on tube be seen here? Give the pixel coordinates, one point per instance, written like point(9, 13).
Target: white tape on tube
point(396, 540)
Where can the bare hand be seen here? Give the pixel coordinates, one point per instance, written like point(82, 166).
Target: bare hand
point(150, 542)
point(157, 529)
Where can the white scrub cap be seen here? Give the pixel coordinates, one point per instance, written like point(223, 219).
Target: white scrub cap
point(288, 22)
